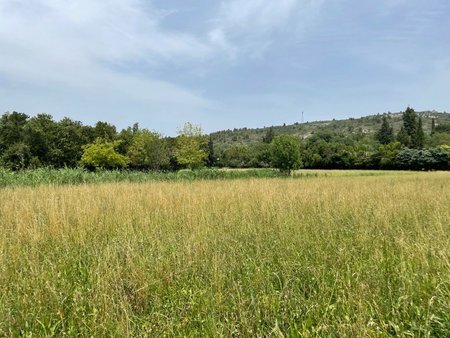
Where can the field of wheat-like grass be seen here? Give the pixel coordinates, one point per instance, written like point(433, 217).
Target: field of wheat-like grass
point(328, 256)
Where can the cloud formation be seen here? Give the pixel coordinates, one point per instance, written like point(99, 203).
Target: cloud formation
point(162, 62)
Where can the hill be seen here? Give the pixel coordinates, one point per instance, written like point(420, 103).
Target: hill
point(367, 125)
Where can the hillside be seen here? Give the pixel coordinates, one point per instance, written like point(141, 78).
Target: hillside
point(365, 125)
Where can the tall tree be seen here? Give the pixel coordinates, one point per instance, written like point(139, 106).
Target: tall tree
point(403, 137)
point(386, 133)
point(411, 134)
point(410, 121)
point(285, 153)
point(190, 146)
point(419, 137)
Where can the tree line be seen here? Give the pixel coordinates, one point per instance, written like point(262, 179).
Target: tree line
point(40, 141)
point(409, 149)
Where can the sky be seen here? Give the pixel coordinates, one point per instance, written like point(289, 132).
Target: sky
point(222, 64)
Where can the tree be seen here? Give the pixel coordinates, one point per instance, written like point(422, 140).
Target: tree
point(438, 139)
point(105, 131)
point(237, 156)
point(69, 141)
point(269, 136)
point(403, 137)
point(386, 133)
point(285, 153)
point(385, 156)
point(259, 155)
point(102, 154)
point(419, 137)
point(411, 134)
point(211, 160)
point(410, 121)
point(148, 151)
point(190, 146)
point(17, 156)
point(442, 128)
point(40, 136)
point(11, 129)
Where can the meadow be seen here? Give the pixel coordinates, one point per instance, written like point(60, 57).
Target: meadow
point(326, 254)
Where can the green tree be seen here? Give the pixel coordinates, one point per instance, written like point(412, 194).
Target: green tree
point(410, 121)
point(17, 156)
point(12, 129)
point(385, 156)
point(403, 137)
point(211, 160)
point(438, 139)
point(285, 153)
point(442, 128)
point(190, 146)
point(411, 134)
point(40, 136)
point(148, 151)
point(70, 138)
point(237, 156)
point(419, 137)
point(103, 154)
point(259, 155)
point(269, 136)
point(386, 133)
point(105, 131)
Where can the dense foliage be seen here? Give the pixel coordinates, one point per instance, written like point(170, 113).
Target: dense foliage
point(285, 153)
point(40, 141)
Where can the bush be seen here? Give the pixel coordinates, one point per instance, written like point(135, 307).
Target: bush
point(423, 159)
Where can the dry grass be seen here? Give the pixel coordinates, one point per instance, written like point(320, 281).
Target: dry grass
point(329, 256)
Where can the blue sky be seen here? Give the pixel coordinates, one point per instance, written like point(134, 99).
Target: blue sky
point(222, 64)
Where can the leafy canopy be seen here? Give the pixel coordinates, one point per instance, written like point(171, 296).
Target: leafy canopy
point(102, 154)
point(148, 150)
point(285, 153)
point(191, 146)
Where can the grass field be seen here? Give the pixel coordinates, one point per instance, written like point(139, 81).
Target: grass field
point(330, 256)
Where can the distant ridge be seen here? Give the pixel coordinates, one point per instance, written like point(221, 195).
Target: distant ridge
point(366, 125)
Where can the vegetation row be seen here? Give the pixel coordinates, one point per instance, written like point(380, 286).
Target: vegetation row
point(29, 143)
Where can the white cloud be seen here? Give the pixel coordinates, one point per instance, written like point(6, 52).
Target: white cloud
point(77, 46)
point(249, 25)
point(80, 44)
point(260, 14)
point(107, 29)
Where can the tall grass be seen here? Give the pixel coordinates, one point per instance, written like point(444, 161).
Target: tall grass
point(48, 176)
point(328, 257)
point(69, 176)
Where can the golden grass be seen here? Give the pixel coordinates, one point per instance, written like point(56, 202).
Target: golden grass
point(329, 256)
